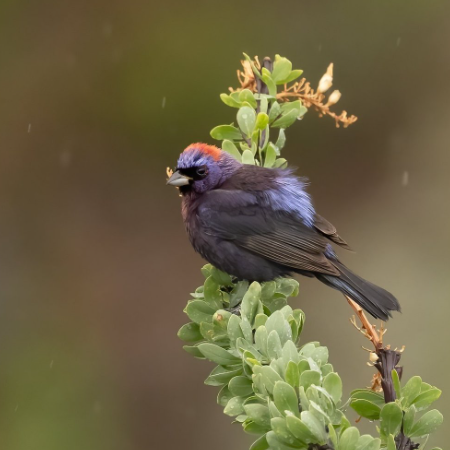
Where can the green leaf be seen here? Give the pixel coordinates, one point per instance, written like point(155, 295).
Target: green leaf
point(251, 427)
point(428, 423)
point(261, 338)
point(263, 104)
point(275, 111)
point(234, 328)
point(366, 409)
point(265, 134)
point(299, 429)
point(260, 444)
point(290, 106)
point(280, 162)
point(271, 155)
point(281, 69)
point(246, 95)
point(217, 354)
point(287, 119)
point(290, 353)
point(199, 311)
point(396, 382)
point(224, 396)
point(367, 394)
point(315, 426)
point(333, 384)
point(281, 140)
point(391, 417)
point(251, 301)
point(247, 157)
point(258, 413)
point(309, 378)
point(234, 406)
point(349, 439)
point(206, 271)
point(269, 376)
point(212, 332)
point(285, 397)
point(320, 355)
point(316, 409)
point(279, 324)
point(266, 77)
point(274, 349)
point(212, 293)
point(282, 432)
point(229, 101)
point(287, 287)
point(262, 120)
point(408, 420)
point(425, 399)
point(230, 148)
point(326, 369)
point(226, 132)
point(411, 390)
point(260, 320)
point(221, 318)
point(220, 277)
point(303, 111)
point(221, 375)
point(391, 443)
point(240, 386)
point(246, 329)
point(237, 294)
point(246, 118)
point(292, 376)
point(275, 442)
point(366, 442)
point(190, 332)
point(193, 350)
point(291, 77)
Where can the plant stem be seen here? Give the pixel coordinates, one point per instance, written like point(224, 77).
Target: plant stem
point(387, 362)
point(261, 88)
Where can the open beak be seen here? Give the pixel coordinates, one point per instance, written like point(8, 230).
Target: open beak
point(178, 180)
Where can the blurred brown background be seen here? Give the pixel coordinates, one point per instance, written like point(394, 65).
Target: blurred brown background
point(97, 98)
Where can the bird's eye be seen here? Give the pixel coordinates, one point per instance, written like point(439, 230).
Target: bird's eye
point(202, 171)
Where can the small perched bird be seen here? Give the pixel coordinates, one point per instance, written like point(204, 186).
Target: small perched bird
point(259, 224)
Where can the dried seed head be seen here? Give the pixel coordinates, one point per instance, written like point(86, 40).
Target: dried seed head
point(373, 357)
point(334, 98)
point(326, 81)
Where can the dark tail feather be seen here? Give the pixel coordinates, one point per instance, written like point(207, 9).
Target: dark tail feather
point(375, 300)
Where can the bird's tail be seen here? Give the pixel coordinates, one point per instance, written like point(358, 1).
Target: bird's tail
point(375, 300)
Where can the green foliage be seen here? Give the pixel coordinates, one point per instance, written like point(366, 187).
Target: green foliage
point(412, 397)
point(257, 114)
point(286, 394)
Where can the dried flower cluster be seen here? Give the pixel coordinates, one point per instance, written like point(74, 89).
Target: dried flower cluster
point(301, 90)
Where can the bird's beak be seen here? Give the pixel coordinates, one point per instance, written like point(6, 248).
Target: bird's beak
point(178, 180)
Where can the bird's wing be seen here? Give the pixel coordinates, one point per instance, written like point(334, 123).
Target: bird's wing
point(238, 216)
point(329, 230)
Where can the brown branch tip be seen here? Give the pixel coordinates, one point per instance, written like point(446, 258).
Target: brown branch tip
point(300, 90)
point(375, 336)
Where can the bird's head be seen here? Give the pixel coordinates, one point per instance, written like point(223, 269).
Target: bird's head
point(202, 167)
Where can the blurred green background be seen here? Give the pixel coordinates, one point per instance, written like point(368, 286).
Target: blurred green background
point(97, 98)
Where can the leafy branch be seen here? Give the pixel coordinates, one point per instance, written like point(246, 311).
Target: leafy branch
point(251, 73)
point(281, 390)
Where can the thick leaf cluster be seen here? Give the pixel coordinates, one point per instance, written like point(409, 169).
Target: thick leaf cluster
point(288, 395)
point(415, 396)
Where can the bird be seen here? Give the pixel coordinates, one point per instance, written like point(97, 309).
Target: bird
point(259, 224)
